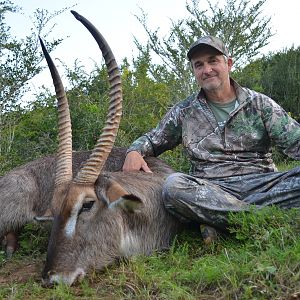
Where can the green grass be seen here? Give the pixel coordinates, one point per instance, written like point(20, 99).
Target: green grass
point(258, 260)
point(287, 165)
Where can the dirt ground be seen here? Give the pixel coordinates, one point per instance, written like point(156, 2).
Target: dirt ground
point(20, 271)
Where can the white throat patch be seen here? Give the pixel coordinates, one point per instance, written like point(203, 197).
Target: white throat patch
point(130, 244)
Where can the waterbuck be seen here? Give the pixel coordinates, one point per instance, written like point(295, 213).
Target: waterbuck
point(101, 216)
point(27, 191)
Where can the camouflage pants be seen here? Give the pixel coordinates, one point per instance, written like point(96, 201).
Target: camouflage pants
point(209, 201)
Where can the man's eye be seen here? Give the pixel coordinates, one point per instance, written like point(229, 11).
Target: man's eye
point(86, 206)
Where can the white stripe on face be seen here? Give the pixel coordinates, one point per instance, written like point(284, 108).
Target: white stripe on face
point(71, 223)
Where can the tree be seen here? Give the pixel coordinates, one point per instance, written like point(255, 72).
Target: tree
point(276, 75)
point(251, 75)
point(35, 135)
point(281, 79)
point(238, 23)
point(88, 100)
point(145, 100)
point(20, 62)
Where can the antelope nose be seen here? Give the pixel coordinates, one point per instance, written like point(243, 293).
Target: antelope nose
point(46, 278)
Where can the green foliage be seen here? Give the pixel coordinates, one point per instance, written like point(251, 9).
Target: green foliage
point(20, 62)
point(34, 135)
point(177, 159)
point(249, 268)
point(281, 79)
point(149, 89)
point(20, 59)
point(276, 75)
point(6, 6)
point(88, 100)
point(145, 100)
point(258, 260)
point(34, 240)
point(265, 228)
point(251, 75)
point(240, 24)
point(287, 165)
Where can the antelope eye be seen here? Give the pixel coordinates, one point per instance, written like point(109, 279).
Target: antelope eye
point(86, 206)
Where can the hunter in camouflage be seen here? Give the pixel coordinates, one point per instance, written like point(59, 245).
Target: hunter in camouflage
point(228, 141)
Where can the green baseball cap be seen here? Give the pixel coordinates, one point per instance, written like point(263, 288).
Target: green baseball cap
point(208, 40)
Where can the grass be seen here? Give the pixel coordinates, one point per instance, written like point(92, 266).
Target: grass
point(287, 165)
point(259, 259)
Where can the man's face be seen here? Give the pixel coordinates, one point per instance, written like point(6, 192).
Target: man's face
point(211, 69)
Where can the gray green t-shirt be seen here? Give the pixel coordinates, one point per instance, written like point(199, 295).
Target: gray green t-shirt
point(221, 111)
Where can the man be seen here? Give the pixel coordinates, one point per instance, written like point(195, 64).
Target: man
point(226, 131)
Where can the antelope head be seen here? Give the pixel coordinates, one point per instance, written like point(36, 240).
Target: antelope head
point(73, 197)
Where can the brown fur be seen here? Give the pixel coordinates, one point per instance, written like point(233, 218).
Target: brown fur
point(27, 191)
point(116, 215)
point(127, 218)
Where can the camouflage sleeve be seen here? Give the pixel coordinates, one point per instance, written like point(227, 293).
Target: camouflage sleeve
point(283, 130)
point(165, 136)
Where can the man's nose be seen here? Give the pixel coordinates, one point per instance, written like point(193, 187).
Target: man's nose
point(206, 68)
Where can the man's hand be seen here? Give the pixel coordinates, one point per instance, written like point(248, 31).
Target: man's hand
point(135, 162)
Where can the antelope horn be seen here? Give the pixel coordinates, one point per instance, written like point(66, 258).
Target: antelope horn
point(64, 156)
point(93, 166)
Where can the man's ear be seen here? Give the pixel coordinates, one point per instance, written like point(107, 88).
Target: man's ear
point(229, 63)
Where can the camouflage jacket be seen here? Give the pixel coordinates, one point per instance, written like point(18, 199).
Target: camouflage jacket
point(241, 147)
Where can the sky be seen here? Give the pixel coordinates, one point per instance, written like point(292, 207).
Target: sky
point(116, 20)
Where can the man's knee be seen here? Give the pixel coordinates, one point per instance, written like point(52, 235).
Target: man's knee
point(172, 196)
point(171, 186)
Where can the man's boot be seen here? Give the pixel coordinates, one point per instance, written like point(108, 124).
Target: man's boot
point(209, 234)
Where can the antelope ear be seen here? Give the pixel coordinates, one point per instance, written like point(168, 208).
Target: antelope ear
point(114, 191)
point(129, 203)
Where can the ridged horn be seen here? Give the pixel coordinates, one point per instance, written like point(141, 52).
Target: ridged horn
point(64, 156)
point(93, 166)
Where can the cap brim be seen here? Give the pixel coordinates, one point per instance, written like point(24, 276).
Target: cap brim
point(195, 48)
